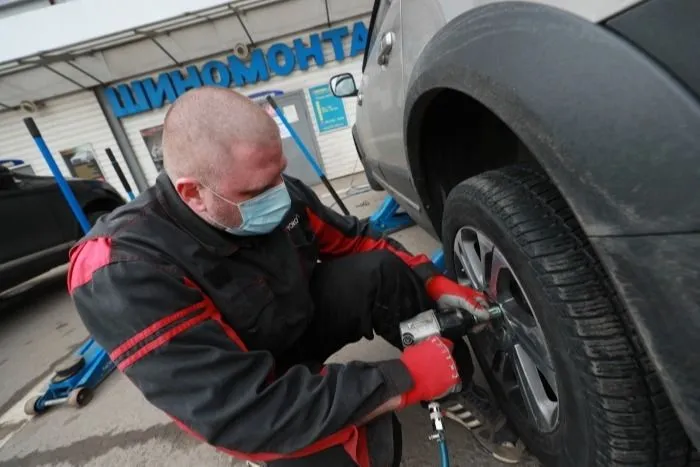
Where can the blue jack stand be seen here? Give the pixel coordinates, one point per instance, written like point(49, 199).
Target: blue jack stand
point(74, 381)
point(438, 259)
point(387, 219)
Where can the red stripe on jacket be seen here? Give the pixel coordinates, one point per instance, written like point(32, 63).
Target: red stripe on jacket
point(333, 242)
point(352, 438)
point(163, 339)
point(154, 328)
point(86, 258)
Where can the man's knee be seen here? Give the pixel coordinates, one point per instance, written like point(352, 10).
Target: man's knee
point(386, 262)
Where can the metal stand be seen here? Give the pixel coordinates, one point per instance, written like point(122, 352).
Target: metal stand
point(438, 259)
point(387, 219)
point(74, 381)
point(89, 366)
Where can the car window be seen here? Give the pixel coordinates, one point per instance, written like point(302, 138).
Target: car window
point(375, 25)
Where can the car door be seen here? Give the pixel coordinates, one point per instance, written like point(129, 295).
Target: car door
point(381, 98)
point(28, 223)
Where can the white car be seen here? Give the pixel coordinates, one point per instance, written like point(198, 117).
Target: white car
point(554, 147)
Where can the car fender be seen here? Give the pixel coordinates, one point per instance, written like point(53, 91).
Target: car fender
point(615, 132)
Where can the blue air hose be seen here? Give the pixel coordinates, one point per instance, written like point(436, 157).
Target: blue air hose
point(444, 456)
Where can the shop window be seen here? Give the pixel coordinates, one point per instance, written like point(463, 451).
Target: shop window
point(82, 162)
point(153, 137)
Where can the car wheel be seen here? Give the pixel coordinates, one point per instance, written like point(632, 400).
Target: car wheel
point(93, 217)
point(564, 361)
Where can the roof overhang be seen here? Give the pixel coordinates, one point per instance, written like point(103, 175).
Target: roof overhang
point(83, 44)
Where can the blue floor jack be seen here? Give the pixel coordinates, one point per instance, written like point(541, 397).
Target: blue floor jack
point(389, 218)
point(73, 380)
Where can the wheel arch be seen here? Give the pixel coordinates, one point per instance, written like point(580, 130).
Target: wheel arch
point(94, 205)
point(524, 68)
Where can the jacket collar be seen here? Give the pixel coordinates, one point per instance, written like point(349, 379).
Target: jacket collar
point(210, 237)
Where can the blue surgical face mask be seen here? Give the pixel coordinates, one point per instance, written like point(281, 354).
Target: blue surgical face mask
point(260, 214)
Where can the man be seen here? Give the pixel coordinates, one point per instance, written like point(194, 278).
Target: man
point(222, 289)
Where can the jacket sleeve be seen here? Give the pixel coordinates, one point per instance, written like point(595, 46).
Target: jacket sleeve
point(340, 235)
point(173, 343)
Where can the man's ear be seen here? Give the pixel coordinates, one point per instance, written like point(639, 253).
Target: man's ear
point(190, 192)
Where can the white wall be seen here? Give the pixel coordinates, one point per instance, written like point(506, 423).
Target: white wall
point(336, 147)
point(64, 123)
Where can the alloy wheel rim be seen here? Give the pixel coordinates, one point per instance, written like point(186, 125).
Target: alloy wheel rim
point(515, 349)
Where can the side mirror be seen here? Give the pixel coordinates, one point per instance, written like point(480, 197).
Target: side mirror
point(343, 85)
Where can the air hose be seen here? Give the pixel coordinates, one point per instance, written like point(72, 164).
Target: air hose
point(439, 433)
point(444, 456)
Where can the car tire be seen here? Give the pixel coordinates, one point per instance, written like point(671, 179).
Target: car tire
point(93, 217)
point(609, 404)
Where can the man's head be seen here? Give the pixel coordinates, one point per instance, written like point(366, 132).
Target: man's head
point(219, 145)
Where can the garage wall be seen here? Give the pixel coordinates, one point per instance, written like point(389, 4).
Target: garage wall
point(64, 123)
point(337, 149)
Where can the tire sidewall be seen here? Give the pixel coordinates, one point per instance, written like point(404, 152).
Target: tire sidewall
point(570, 442)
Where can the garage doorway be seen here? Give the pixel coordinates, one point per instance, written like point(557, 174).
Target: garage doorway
point(296, 112)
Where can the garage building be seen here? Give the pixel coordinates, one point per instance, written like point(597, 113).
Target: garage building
point(102, 74)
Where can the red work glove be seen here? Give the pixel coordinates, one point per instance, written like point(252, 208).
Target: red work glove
point(449, 294)
point(432, 368)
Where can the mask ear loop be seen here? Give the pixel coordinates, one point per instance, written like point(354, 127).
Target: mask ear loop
point(237, 205)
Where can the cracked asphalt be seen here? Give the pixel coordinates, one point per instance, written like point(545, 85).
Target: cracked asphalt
point(39, 327)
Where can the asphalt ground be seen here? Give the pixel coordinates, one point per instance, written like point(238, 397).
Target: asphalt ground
point(39, 327)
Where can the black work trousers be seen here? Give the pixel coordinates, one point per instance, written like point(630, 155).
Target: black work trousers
point(355, 297)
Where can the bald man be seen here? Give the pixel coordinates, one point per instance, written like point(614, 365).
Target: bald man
point(222, 290)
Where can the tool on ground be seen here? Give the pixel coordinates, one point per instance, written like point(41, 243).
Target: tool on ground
point(120, 174)
point(74, 380)
point(307, 154)
point(452, 324)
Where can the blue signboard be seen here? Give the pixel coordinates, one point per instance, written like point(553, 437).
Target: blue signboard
point(328, 109)
point(280, 59)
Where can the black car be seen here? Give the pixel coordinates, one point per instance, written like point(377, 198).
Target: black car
point(38, 227)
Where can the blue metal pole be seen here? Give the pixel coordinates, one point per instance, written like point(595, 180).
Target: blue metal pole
point(60, 179)
point(297, 139)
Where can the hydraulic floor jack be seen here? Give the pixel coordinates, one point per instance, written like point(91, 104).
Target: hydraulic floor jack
point(389, 217)
point(74, 380)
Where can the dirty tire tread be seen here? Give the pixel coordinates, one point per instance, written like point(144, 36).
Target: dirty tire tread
point(634, 422)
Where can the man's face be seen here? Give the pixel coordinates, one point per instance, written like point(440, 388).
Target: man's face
point(254, 170)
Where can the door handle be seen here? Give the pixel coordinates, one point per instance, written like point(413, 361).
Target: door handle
point(359, 98)
point(385, 47)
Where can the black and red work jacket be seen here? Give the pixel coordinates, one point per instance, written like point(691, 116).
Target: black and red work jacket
point(197, 319)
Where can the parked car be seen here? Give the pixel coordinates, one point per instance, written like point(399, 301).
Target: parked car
point(38, 228)
point(553, 146)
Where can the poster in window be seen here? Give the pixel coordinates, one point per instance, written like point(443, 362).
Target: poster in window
point(82, 162)
point(328, 109)
point(153, 137)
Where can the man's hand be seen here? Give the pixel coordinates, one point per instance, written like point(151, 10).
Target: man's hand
point(432, 368)
point(449, 294)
